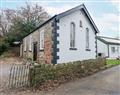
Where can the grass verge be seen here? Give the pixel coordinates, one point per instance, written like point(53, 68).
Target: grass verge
point(112, 62)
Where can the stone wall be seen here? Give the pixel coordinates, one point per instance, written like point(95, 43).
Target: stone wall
point(61, 73)
point(44, 56)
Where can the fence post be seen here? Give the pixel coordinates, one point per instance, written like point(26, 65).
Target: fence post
point(31, 76)
point(10, 76)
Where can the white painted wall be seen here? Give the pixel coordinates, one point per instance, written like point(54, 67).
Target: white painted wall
point(102, 48)
point(116, 54)
point(67, 55)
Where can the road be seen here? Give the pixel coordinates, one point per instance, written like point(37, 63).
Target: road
point(103, 83)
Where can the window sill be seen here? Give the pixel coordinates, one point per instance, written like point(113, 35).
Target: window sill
point(73, 48)
point(88, 50)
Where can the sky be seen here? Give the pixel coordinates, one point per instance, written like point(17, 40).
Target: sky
point(105, 13)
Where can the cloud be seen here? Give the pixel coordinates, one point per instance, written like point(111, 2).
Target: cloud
point(108, 23)
point(54, 7)
point(115, 3)
point(56, 10)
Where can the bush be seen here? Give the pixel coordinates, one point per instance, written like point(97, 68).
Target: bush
point(61, 73)
point(3, 46)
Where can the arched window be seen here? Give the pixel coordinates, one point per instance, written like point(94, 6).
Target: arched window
point(72, 35)
point(87, 38)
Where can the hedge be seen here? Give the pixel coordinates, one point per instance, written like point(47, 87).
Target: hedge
point(45, 74)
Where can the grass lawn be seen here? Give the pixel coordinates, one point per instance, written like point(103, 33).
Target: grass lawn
point(113, 62)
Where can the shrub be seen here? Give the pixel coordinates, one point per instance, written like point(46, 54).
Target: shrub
point(3, 46)
point(61, 73)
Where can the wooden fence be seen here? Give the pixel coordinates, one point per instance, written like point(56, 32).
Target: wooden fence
point(19, 76)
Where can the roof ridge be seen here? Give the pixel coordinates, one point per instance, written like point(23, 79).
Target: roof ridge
point(72, 8)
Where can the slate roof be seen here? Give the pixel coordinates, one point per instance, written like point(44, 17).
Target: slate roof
point(109, 40)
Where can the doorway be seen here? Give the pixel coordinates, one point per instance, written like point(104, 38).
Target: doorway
point(35, 51)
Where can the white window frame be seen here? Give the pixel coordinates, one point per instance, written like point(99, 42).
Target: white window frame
point(30, 43)
point(117, 50)
point(25, 44)
point(113, 49)
point(42, 40)
point(72, 35)
point(87, 38)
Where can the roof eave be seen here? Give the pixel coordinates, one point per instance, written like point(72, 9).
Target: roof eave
point(112, 43)
point(41, 25)
point(91, 20)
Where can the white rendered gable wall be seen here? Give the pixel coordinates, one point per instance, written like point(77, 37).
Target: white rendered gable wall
point(67, 55)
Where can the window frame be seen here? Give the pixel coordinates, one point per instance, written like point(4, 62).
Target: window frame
point(81, 24)
point(25, 44)
point(72, 36)
point(113, 48)
point(30, 43)
point(41, 40)
point(117, 50)
point(87, 39)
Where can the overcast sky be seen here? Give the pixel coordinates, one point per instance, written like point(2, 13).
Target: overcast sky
point(105, 13)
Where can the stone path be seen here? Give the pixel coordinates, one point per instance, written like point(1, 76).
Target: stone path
point(4, 76)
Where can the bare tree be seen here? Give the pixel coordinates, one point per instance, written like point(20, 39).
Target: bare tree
point(6, 17)
point(3, 26)
point(24, 19)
